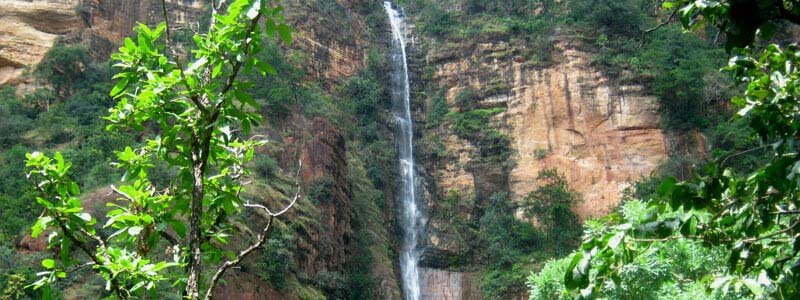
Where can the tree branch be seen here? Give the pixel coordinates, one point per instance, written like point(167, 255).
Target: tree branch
point(662, 24)
point(776, 233)
point(722, 163)
point(177, 59)
point(285, 209)
point(115, 285)
point(262, 238)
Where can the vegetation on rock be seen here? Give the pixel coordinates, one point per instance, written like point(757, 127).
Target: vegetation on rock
point(741, 219)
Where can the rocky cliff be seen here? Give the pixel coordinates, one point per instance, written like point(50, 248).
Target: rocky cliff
point(330, 40)
point(599, 133)
point(28, 29)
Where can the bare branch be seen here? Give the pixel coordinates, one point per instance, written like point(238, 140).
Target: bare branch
point(294, 200)
point(662, 24)
point(774, 234)
point(81, 266)
point(722, 164)
point(262, 238)
point(173, 240)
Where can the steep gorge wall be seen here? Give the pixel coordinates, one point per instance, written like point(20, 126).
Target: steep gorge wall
point(600, 134)
point(331, 36)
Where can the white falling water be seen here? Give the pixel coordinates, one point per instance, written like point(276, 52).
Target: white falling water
point(411, 218)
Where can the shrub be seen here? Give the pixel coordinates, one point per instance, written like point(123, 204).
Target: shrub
point(13, 123)
point(334, 284)
point(508, 241)
point(548, 283)
point(65, 68)
point(551, 205)
point(265, 166)
point(437, 21)
point(437, 111)
point(471, 123)
point(466, 98)
point(277, 259)
point(321, 191)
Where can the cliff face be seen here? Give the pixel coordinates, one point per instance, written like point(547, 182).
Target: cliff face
point(332, 35)
point(600, 134)
point(446, 285)
point(28, 29)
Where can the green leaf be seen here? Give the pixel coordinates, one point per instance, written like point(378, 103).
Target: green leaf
point(667, 186)
point(74, 189)
point(217, 70)
point(753, 286)
point(577, 275)
point(129, 44)
point(49, 263)
point(266, 68)
point(40, 225)
point(179, 227)
point(245, 98)
point(767, 30)
point(616, 239)
point(691, 226)
point(119, 87)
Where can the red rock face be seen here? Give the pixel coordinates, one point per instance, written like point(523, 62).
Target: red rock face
point(27, 31)
point(333, 39)
point(243, 286)
point(325, 156)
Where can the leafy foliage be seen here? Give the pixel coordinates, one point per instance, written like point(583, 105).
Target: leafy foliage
point(508, 241)
point(197, 111)
point(551, 206)
point(674, 269)
point(277, 259)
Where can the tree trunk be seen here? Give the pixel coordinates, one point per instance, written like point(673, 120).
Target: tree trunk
point(199, 158)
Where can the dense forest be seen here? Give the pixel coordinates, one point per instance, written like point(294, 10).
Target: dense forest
point(255, 155)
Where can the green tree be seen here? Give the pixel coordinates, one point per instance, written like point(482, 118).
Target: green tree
point(507, 241)
point(203, 114)
point(65, 68)
point(551, 206)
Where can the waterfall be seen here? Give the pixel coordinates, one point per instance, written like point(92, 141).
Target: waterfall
point(411, 217)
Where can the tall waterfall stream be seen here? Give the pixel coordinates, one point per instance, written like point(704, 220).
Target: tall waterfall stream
point(412, 219)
